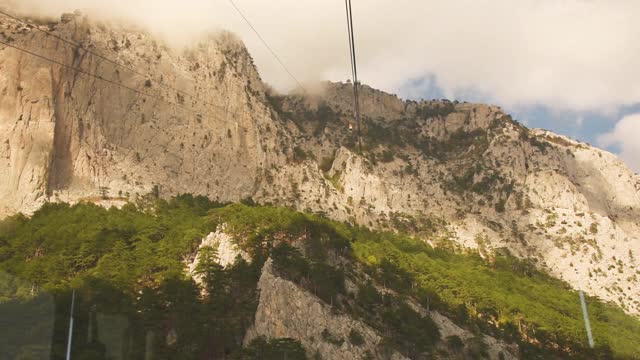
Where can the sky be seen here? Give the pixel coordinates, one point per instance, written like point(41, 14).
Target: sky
point(570, 66)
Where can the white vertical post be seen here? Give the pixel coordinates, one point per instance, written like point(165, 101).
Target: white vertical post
point(585, 314)
point(587, 324)
point(73, 302)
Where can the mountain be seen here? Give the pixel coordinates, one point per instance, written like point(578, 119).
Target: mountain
point(458, 176)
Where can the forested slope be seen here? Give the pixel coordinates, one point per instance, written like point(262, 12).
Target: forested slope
point(128, 268)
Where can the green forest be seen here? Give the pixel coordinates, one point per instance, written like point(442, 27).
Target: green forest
point(127, 267)
point(134, 297)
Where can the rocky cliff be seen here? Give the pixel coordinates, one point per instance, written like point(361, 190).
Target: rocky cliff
point(200, 120)
point(286, 311)
point(194, 124)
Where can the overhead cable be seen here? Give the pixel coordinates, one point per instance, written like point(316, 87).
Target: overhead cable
point(99, 77)
point(267, 45)
point(114, 62)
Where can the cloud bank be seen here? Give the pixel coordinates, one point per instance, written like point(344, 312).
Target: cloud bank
point(580, 55)
point(625, 136)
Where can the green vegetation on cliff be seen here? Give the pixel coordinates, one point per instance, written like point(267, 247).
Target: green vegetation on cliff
point(128, 268)
point(505, 297)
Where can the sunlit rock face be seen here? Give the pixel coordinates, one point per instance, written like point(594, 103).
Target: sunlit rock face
point(192, 125)
point(225, 251)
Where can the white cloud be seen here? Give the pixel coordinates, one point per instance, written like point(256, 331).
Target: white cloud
point(625, 135)
point(576, 55)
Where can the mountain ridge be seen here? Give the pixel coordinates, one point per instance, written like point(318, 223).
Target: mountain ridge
point(455, 174)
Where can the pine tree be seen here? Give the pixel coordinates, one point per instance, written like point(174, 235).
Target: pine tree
point(104, 192)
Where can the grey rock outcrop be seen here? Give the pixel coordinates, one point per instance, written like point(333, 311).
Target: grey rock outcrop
point(286, 311)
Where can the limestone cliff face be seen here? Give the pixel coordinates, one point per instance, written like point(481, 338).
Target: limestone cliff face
point(453, 173)
point(286, 311)
point(66, 134)
point(226, 252)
